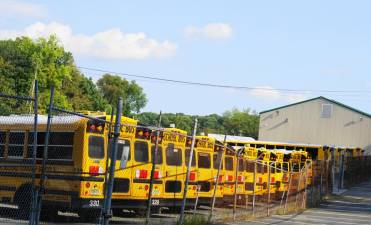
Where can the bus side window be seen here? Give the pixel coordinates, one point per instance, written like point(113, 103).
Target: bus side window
point(187, 154)
point(141, 151)
point(173, 156)
point(120, 147)
point(228, 163)
point(241, 165)
point(16, 144)
point(216, 160)
point(204, 160)
point(123, 152)
point(273, 167)
point(96, 147)
point(285, 167)
point(2, 143)
point(159, 154)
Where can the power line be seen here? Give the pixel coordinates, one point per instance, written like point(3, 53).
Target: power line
point(221, 85)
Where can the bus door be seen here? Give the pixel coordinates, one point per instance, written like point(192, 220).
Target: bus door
point(241, 177)
point(193, 175)
point(229, 182)
point(158, 182)
point(174, 171)
point(142, 166)
point(205, 149)
point(250, 164)
point(273, 176)
point(121, 185)
point(218, 157)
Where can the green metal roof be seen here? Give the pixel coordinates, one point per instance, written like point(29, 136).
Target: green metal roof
point(323, 98)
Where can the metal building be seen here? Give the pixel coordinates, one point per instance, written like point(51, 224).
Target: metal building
point(317, 121)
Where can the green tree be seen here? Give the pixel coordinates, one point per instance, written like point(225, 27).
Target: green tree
point(233, 122)
point(242, 123)
point(113, 87)
point(22, 60)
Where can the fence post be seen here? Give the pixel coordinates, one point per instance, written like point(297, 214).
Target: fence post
point(254, 188)
point(269, 187)
point(196, 202)
point(298, 189)
point(181, 217)
point(217, 178)
point(108, 154)
point(106, 214)
point(288, 192)
point(45, 156)
point(342, 170)
point(305, 186)
point(154, 158)
point(235, 186)
point(34, 149)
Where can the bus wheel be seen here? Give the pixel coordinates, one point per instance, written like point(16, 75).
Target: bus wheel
point(89, 215)
point(23, 198)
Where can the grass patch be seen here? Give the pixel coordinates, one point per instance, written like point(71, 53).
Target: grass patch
point(196, 220)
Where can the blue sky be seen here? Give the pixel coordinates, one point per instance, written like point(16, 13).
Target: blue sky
point(312, 45)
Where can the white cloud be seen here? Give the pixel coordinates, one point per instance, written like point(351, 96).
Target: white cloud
point(19, 8)
point(108, 44)
point(210, 31)
point(268, 93)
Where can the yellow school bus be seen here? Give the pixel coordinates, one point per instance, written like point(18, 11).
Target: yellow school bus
point(218, 157)
point(174, 142)
point(204, 148)
point(262, 168)
point(240, 164)
point(282, 173)
point(272, 166)
point(75, 165)
point(192, 190)
point(229, 166)
point(251, 155)
point(316, 152)
point(131, 184)
point(298, 162)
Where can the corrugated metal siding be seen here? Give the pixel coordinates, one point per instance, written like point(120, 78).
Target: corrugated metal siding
point(303, 123)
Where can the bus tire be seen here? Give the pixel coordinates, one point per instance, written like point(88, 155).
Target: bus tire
point(89, 215)
point(23, 198)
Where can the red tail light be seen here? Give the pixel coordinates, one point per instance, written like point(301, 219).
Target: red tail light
point(220, 178)
point(285, 178)
point(156, 175)
point(141, 174)
point(230, 178)
point(192, 176)
point(93, 170)
point(240, 178)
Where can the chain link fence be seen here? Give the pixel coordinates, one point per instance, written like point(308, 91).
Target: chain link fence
point(57, 168)
point(18, 119)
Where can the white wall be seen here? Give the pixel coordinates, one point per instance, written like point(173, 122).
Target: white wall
point(303, 123)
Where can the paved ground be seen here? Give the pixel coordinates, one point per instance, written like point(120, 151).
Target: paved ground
point(352, 207)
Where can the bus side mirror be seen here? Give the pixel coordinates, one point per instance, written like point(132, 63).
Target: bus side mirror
point(124, 156)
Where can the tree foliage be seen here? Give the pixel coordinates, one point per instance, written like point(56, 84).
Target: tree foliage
point(23, 60)
point(233, 122)
point(113, 87)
